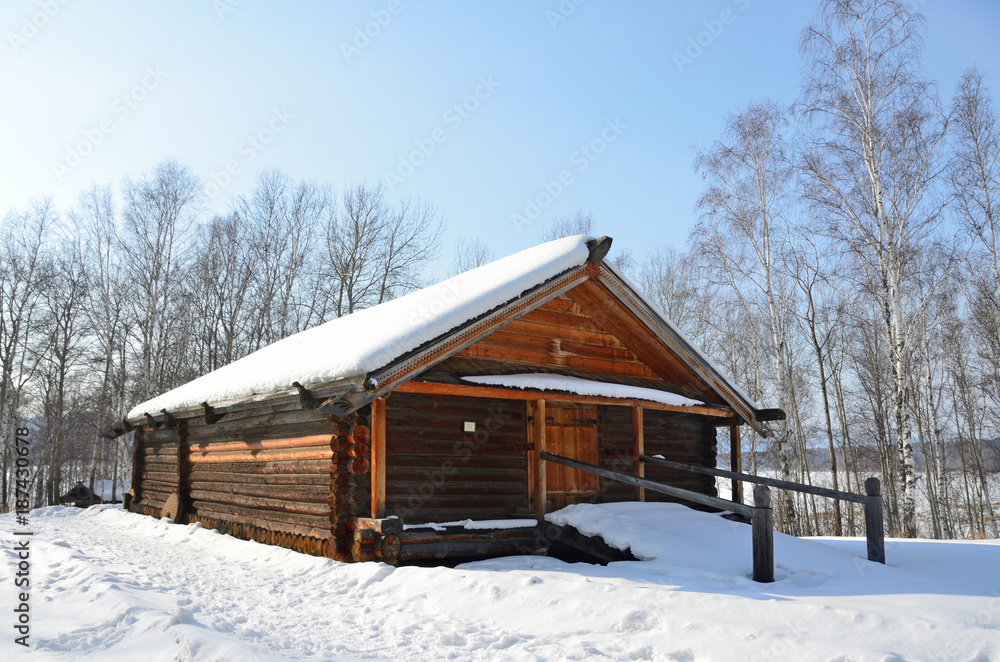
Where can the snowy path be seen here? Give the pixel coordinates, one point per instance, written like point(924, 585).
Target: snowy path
point(118, 586)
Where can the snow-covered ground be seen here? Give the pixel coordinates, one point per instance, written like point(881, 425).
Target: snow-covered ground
point(111, 585)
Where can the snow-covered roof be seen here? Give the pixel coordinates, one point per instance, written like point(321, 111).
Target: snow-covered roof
point(549, 382)
point(370, 339)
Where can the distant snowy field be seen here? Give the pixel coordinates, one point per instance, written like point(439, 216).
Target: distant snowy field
point(111, 585)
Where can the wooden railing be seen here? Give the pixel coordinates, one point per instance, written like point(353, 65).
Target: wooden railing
point(760, 514)
point(871, 500)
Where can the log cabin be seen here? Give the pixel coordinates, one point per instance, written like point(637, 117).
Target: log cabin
point(413, 429)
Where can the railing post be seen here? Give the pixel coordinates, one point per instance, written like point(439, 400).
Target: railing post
point(874, 527)
point(762, 524)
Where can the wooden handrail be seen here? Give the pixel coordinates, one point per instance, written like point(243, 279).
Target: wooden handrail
point(629, 479)
point(759, 480)
point(760, 515)
point(871, 500)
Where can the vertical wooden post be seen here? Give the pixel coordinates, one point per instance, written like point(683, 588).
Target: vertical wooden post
point(183, 471)
point(874, 525)
point(763, 535)
point(540, 489)
point(638, 448)
point(378, 458)
point(736, 461)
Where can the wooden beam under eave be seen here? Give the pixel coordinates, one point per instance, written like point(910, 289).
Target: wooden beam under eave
point(638, 449)
point(502, 393)
point(378, 458)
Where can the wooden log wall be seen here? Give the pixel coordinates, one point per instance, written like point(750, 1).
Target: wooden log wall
point(266, 474)
point(614, 451)
point(678, 437)
point(436, 472)
point(561, 334)
point(682, 438)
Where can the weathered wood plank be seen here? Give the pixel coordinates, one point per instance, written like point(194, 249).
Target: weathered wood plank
point(283, 455)
point(258, 503)
point(250, 445)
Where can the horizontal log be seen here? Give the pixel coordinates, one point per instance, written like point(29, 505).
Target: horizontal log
point(422, 461)
point(157, 486)
point(300, 494)
point(459, 487)
point(320, 480)
point(450, 549)
point(263, 409)
point(511, 431)
point(303, 529)
point(318, 467)
point(258, 503)
point(423, 536)
point(165, 452)
point(152, 500)
point(260, 456)
point(169, 477)
point(160, 436)
point(296, 417)
point(447, 448)
point(294, 442)
point(458, 471)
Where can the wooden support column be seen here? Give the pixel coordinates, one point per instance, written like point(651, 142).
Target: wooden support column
point(736, 461)
point(638, 449)
point(874, 524)
point(378, 458)
point(538, 423)
point(762, 532)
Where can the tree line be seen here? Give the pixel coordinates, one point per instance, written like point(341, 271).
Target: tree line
point(133, 292)
point(844, 266)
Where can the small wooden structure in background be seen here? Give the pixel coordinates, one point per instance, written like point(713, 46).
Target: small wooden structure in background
point(80, 496)
point(337, 468)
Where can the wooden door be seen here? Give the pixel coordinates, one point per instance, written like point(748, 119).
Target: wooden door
point(570, 431)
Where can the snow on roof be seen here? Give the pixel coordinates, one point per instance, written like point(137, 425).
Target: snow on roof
point(369, 339)
point(549, 382)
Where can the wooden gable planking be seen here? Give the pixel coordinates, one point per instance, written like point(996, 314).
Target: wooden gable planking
point(587, 333)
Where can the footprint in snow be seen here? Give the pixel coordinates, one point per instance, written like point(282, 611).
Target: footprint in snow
point(636, 621)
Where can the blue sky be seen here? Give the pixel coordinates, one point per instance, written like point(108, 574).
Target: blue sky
point(196, 81)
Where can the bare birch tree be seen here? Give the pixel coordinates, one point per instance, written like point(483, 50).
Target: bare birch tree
point(741, 233)
point(872, 166)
